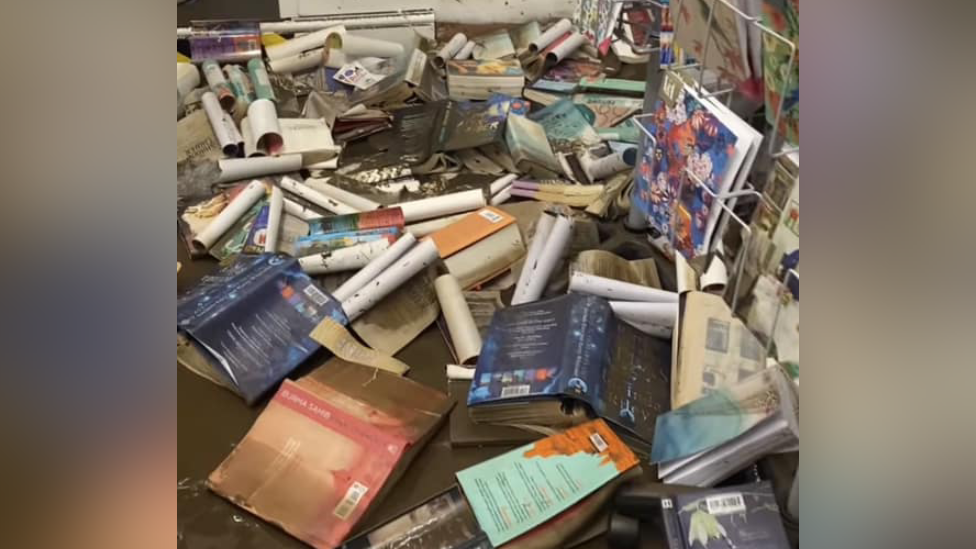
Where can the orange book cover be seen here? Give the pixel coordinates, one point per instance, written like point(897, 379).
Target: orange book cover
point(469, 230)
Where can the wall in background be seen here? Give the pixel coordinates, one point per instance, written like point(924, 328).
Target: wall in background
point(448, 11)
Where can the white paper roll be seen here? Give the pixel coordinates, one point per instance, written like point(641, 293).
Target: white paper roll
point(187, 78)
point(421, 230)
point(299, 211)
point(660, 314)
point(218, 85)
point(565, 48)
point(316, 197)
point(504, 196)
point(460, 322)
point(360, 46)
point(225, 219)
point(298, 63)
point(655, 330)
point(456, 372)
point(616, 290)
point(442, 205)
point(465, 51)
point(417, 259)
point(450, 50)
point(543, 226)
point(344, 196)
point(716, 277)
point(215, 114)
point(235, 134)
point(237, 169)
point(311, 41)
point(345, 259)
point(375, 267)
point(686, 276)
point(601, 168)
point(502, 183)
point(560, 28)
point(541, 270)
point(275, 211)
point(265, 130)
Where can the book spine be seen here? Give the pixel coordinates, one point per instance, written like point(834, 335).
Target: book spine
point(672, 526)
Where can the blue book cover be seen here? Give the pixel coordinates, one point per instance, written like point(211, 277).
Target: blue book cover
point(252, 320)
point(573, 347)
point(744, 517)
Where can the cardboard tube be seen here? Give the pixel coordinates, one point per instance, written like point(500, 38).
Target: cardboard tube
point(218, 85)
point(238, 207)
point(443, 205)
point(344, 196)
point(559, 29)
point(275, 211)
point(237, 169)
point(345, 259)
point(460, 322)
point(311, 41)
point(542, 229)
point(616, 290)
point(215, 114)
point(417, 259)
point(375, 267)
point(315, 197)
point(450, 50)
point(541, 270)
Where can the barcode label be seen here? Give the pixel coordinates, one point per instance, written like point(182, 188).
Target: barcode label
point(516, 390)
point(726, 504)
point(490, 216)
point(316, 295)
point(348, 504)
point(598, 442)
point(666, 503)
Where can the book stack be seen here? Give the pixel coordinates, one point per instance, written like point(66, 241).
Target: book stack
point(470, 79)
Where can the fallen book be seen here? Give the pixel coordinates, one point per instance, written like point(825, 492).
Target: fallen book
point(327, 447)
point(506, 492)
point(247, 326)
point(542, 359)
point(471, 79)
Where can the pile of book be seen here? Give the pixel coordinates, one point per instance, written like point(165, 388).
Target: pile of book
point(347, 186)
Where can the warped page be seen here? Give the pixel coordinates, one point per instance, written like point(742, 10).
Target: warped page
point(401, 316)
point(334, 337)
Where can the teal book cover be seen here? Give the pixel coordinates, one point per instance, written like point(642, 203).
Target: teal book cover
point(522, 489)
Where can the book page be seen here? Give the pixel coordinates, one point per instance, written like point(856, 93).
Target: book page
point(609, 265)
point(401, 316)
point(337, 339)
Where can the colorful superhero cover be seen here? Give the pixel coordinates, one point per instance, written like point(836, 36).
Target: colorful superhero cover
point(689, 136)
point(783, 16)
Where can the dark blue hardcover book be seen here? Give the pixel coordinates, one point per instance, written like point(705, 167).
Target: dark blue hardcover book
point(251, 321)
point(572, 347)
point(744, 517)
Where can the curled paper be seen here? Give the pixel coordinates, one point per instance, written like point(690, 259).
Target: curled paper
point(336, 338)
point(716, 277)
point(275, 213)
point(443, 205)
point(504, 196)
point(542, 229)
point(299, 211)
point(502, 183)
point(540, 270)
point(375, 267)
point(463, 373)
point(237, 169)
point(354, 46)
point(218, 122)
point(218, 85)
point(663, 315)
point(206, 238)
point(421, 230)
point(345, 259)
point(465, 51)
point(261, 80)
point(450, 50)
point(315, 197)
point(344, 196)
point(265, 130)
point(460, 322)
point(602, 168)
point(414, 261)
point(554, 32)
point(609, 288)
point(329, 37)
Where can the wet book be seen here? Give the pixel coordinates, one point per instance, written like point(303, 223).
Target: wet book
point(542, 362)
point(247, 326)
point(328, 447)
